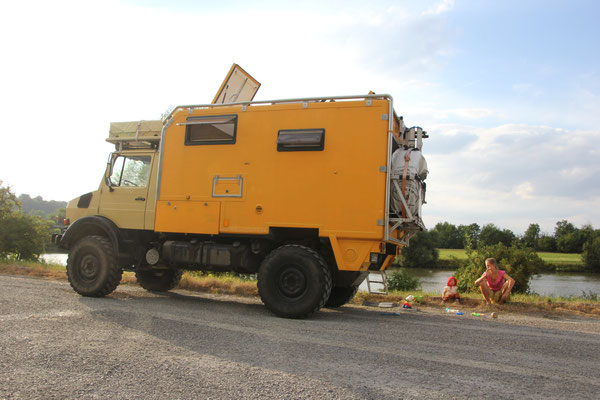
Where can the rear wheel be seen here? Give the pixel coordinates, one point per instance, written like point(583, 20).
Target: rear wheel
point(294, 281)
point(340, 296)
point(92, 267)
point(158, 280)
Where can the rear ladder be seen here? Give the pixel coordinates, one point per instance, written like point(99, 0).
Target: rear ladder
point(381, 281)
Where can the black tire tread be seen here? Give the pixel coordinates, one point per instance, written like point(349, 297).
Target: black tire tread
point(322, 264)
point(340, 296)
point(114, 271)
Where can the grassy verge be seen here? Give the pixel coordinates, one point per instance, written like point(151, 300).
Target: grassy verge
point(231, 284)
point(211, 283)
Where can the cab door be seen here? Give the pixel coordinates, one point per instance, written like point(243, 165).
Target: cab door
point(124, 195)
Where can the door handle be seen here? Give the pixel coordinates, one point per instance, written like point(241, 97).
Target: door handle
point(140, 198)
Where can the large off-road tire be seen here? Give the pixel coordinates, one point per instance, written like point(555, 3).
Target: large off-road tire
point(158, 280)
point(92, 267)
point(340, 296)
point(294, 281)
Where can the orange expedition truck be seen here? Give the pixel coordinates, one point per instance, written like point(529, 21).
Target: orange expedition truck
point(297, 191)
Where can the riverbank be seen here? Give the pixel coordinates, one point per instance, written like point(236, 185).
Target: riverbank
point(231, 284)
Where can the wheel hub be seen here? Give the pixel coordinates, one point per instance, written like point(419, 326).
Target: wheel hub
point(89, 267)
point(292, 282)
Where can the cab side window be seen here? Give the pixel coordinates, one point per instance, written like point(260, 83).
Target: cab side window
point(130, 171)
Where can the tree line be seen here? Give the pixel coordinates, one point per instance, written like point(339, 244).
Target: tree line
point(566, 237)
point(491, 240)
point(25, 230)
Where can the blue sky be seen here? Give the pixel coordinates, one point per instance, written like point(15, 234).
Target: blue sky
point(508, 90)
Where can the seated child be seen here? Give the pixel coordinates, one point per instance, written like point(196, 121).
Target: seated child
point(450, 292)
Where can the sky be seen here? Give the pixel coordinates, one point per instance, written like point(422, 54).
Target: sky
point(509, 91)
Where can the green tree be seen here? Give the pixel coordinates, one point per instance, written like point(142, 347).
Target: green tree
point(591, 254)
point(520, 264)
point(448, 236)
point(570, 243)
point(531, 236)
point(546, 243)
point(421, 252)
point(491, 235)
point(562, 228)
point(21, 236)
point(8, 201)
point(470, 235)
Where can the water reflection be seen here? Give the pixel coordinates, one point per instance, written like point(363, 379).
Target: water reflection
point(55, 258)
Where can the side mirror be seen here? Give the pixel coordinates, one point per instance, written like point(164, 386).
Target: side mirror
point(108, 173)
point(109, 184)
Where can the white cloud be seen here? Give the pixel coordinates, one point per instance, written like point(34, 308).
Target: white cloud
point(513, 175)
point(524, 190)
point(440, 8)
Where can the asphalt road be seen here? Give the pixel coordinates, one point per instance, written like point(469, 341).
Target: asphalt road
point(137, 345)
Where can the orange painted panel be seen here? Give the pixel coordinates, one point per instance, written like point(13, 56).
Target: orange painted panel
point(339, 190)
point(187, 217)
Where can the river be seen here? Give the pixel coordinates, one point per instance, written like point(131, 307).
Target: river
point(433, 280)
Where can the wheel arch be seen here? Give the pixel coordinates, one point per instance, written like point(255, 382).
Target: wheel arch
point(94, 225)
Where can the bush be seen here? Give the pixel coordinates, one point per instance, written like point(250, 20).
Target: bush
point(22, 236)
point(400, 279)
point(520, 264)
point(591, 254)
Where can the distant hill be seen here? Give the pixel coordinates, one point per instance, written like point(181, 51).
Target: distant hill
point(39, 206)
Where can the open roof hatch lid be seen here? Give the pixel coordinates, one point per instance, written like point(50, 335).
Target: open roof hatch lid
point(238, 86)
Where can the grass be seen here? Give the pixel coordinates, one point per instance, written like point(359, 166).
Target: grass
point(557, 259)
point(233, 284)
point(561, 258)
point(447, 254)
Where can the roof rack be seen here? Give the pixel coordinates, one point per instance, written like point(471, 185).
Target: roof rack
point(135, 134)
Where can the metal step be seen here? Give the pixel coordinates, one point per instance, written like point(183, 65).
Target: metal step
point(381, 281)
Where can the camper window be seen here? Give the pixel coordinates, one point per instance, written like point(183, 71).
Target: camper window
point(301, 140)
point(130, 171)
point(211, 130)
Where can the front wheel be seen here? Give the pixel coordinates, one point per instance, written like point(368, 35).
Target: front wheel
point(92, 267)
point(294, 281)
